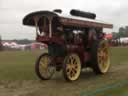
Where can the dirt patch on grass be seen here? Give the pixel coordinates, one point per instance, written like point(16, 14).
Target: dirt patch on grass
point(59, 87)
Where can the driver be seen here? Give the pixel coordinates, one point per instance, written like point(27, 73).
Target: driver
point(44, 30)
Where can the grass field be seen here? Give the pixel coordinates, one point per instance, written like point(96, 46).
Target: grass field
point(117, 89)
point(18, 66)
point(119, 55)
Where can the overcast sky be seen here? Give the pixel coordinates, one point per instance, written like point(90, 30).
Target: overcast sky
point(13, 11)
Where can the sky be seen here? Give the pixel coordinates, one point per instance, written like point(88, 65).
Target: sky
point(13, 11)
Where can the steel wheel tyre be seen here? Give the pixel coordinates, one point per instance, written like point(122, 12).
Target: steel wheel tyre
point(72, 67)
point(101, 57)
point(44, 68)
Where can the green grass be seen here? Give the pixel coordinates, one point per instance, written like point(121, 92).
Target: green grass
point(119, 55)
point(118, 89)
point(18, 65)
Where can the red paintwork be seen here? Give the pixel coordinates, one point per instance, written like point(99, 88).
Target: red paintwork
point(77, 47)
point(49, 40)
point(108, 36)
point(80, 50)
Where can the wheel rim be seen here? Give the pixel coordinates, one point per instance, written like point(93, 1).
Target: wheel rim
point(46, 69)
point(103, 57)
point(73, 67)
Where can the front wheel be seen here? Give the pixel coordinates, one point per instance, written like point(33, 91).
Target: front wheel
point(71, 67)
point(44, 67)
point(100, 57)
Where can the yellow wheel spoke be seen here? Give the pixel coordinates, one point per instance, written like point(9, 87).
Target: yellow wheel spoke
point(72, 60)
point(73, 66)
point(103, 56)
point(68, 67)
point(45, 68)
point(74, 71)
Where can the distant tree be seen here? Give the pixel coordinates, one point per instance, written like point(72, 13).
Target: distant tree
point(123, 32)
point(1, 46)
point(0, 39)
point(23, 41)
point(122, 29)
point(115, 35)
point(126, 31)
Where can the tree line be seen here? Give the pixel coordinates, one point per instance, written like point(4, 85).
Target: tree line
point(122, 32)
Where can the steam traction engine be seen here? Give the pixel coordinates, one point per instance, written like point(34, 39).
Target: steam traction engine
point(74, 42)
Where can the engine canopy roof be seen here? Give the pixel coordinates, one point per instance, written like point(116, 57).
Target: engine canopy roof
point(66, 20)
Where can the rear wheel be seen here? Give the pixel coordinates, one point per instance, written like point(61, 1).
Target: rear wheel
point(72, 67)
point(44, 67)
point(100, 57)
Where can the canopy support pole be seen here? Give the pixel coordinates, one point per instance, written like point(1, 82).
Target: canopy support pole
point(50, 27)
